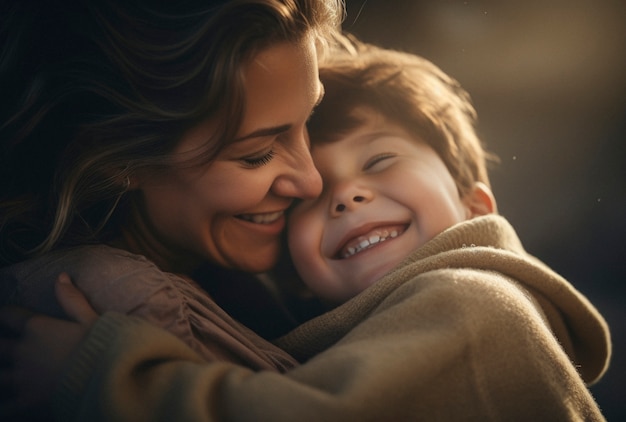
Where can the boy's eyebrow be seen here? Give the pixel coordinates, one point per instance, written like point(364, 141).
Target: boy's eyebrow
point(267, 131)
point(373, 136)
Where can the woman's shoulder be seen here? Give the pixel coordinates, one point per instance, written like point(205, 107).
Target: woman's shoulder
point(98, 260)
point(111, 278)
point(99, 257)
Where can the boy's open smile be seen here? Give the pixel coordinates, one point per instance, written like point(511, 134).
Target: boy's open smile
point(368, 236)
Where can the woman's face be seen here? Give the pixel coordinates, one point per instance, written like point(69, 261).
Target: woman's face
point(231, 211)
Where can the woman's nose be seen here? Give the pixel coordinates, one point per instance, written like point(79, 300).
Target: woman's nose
point(300, 179)
point(309, 181)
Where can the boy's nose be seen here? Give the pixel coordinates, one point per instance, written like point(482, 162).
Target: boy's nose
point(342, 207)
point(348, 196)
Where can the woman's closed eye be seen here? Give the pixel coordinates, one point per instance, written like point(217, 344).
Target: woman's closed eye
point(258, 160)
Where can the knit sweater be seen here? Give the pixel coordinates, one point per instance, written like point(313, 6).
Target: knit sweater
point(469, 327)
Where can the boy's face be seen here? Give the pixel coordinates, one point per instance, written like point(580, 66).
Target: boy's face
point(385, 194)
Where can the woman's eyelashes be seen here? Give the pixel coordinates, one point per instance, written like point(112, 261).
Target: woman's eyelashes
point(260, 160)
point(378, 158)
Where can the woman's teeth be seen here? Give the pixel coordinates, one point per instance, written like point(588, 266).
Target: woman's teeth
point(262, 218)
point(366, 242)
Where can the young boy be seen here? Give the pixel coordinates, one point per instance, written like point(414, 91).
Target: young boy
point(394, 141)
point(406, 236)
point(386, 193)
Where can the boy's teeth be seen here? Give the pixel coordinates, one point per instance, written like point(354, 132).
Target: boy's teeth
point(262, 218)
point(367, 242)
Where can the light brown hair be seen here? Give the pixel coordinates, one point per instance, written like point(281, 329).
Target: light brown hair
point(410, 91)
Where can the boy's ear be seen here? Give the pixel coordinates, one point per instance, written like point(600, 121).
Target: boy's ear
point(480, 201)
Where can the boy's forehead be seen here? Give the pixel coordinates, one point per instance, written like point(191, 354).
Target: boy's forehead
point(368, 126)
point(359, 118)
point(367, 114)
point(365, 118)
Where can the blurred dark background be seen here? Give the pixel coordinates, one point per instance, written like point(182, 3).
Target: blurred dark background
point(548, 79)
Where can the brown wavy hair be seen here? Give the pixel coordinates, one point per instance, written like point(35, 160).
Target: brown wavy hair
point(409, 90)
point(97, 90)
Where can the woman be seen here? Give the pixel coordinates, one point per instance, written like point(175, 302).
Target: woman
point(159, 142)
point(147, 148)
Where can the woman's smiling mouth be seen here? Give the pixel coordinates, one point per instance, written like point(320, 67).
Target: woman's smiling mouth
point(267, 218)
point(368, 240)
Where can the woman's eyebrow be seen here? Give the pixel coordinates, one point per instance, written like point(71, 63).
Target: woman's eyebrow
point(277, 130)
point(268, 131)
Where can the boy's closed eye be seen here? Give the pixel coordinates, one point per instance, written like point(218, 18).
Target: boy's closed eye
point(375, 163)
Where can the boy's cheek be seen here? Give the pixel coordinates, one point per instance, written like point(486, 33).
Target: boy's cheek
point(304, 236)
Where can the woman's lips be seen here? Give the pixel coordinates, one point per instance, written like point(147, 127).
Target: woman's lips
point(267, 218)
point(267, 224)
point(369, 239)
